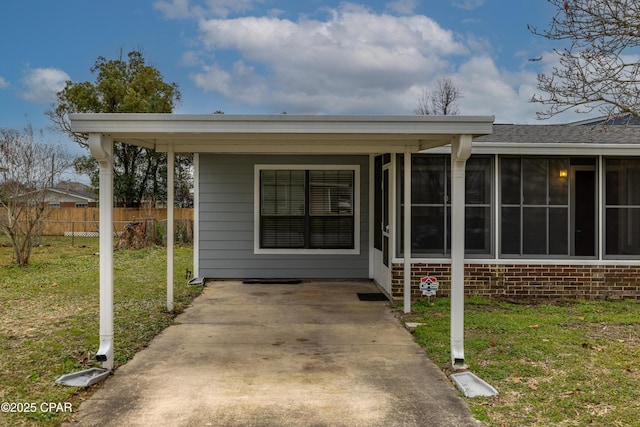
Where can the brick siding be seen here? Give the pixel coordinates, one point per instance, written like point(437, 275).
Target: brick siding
point(532, 281)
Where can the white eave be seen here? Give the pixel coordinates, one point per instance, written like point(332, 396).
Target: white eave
point(283, 133)
point(546, 148)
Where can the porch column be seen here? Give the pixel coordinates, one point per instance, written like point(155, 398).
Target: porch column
point(101, 148)
point(170, 226)
point(460, 152)
point(196, 215)
point(407, 231)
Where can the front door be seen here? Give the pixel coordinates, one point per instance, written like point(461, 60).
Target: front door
point(382, 220)
point(584, 210)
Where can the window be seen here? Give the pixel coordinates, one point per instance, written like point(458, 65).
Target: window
point(534, 210)
point(310, 208)
point(431, 205)
point(622, 207)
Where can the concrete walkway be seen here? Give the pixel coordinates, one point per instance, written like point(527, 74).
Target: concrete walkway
point(310, 354)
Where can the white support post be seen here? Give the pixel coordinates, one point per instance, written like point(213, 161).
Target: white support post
point(371, 214)
point(460, 152)
point(102, 150)
point(170, 226)
point(407, 231)
point(196, 215)
point(601, 209)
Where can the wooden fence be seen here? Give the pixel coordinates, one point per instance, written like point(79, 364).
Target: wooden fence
point(85, 221)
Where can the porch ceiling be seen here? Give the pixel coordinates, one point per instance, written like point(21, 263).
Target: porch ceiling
point(284, 133)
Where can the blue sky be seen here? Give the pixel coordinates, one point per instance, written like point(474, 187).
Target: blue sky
point(271, 56)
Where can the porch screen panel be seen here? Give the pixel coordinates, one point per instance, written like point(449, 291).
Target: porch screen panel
point(510, 230)
point(534, 194)
point(558, 229)
point(534, 231)
point(429, 197)
point(478, 198)
point(431, 205)
point(622, 208)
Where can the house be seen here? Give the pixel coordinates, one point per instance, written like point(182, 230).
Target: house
point(62, 195)
point(552, 211)
point(285, 196)
point(517, 211)
point(70, 195)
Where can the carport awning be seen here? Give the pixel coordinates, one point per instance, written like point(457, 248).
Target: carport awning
point(222, 133)
point(281, 134)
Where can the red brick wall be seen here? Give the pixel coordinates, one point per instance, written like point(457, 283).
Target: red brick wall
point(532, 281)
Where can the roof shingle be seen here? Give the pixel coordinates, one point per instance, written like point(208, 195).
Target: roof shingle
point(566, 133)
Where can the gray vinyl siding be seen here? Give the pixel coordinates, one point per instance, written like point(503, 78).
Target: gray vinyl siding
point(227, 222)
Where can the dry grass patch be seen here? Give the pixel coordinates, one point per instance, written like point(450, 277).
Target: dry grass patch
point(49, 318)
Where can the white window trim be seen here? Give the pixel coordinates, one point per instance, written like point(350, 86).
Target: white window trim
point(284, 251)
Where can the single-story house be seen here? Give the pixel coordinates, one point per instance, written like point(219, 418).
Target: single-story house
point(69, 195)
point(499, 210)
point(286, 196)
point(63, 195)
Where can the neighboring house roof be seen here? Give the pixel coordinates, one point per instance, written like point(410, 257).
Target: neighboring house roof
point(74, 190)
point(64, 194)
point(59, 194)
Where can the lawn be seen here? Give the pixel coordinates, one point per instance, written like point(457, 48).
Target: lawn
point(560, 363)
point(569, 363)
point(49, 318)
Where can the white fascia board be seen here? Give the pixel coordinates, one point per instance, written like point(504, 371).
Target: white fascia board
point(547, 149)
point(283, 123)
point(176, 130)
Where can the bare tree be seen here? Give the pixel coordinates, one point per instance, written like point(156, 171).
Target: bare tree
point(599, 69)
point(27, 168)
point(442, 100)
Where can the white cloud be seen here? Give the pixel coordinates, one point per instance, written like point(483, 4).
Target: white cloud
point(354, 59)
point(174, 9)
point(190, 59)
point(468, 4)
point(3, 83)
point(488, 90)
point(180, 9)
point(403, 7)
point(42, 84)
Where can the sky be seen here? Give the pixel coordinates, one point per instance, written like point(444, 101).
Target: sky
point(275, 56)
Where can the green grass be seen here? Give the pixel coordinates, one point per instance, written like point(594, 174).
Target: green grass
point(49, 317)
point(563, 364)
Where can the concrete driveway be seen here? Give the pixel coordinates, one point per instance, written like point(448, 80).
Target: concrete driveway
point(309, 354)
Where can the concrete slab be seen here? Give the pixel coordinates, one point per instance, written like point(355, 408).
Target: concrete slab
point(280, 355)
